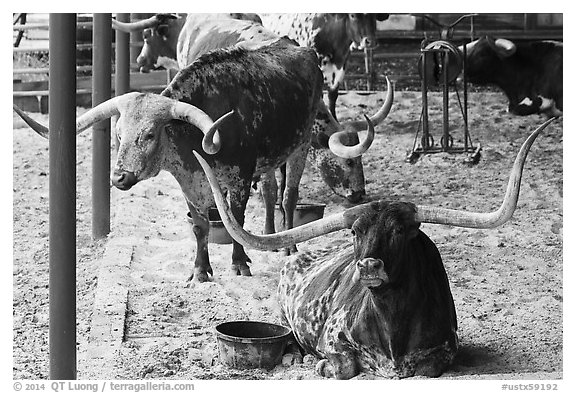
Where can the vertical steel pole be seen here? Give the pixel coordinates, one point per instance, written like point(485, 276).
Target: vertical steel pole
point(445, 97)
point(101, 89)
point(122, 79)
point(62, 196)
point(424, 85)
point(122, 82)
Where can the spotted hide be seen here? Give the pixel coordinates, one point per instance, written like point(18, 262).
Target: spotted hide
point(529, 73)
point(383, 306)
point(331, 36)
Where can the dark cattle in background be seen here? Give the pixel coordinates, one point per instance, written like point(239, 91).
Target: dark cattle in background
point(332, 36)
point(529, 73)
point(272, 95)
point(382, 305)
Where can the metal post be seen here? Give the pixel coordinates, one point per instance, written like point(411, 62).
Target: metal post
point(425, 130)
point(445, 96)
point(101, 86)
point(122, 80)
point(62, 196)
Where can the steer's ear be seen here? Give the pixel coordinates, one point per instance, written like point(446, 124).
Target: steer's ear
point(409, 222)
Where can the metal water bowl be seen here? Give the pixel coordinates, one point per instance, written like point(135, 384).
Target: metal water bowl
point(218, 233)
point(304, 213)
point(251, 344)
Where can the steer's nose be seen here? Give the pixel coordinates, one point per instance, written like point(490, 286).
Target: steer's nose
point(123, 180)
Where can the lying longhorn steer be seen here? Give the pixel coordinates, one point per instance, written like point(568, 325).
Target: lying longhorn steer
point(529, 73)
point(383, 305)
point(269, 96)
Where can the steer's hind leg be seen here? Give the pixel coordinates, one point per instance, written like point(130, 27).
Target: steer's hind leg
point(200, 228)
point(294, 170)
point(238, 201)
point(269, 189)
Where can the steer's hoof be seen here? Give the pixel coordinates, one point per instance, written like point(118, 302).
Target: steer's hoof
point(324, 368)
point(240, 270)
point(200, 276)
point(292, 250)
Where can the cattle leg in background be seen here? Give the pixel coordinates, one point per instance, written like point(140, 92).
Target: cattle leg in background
point(332, 97)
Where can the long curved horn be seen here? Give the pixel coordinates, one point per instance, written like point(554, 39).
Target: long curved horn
point(336, 143)
point(211, 142)
point(379, 116)
point(100, 112)
point(435, 215)
point(337, 146)
point(129, 27)
point(346, 218)
point(274, 241)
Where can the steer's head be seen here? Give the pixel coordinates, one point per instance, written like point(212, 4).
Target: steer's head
point(361, 29)
point(142, 127)
point(141, 130)
point(343, 174)
point(160, 34)
point(484, 58)
point(382, 236)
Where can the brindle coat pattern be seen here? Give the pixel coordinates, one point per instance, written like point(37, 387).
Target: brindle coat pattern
point(402, 327)
point(274, 92)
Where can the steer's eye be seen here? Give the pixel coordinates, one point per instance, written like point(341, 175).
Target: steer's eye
point(148, 137)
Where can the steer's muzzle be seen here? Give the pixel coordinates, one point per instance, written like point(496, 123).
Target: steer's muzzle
point(370, 272)
point(123, 180)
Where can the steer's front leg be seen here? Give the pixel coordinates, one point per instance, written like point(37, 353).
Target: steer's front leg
point(238, 201)
point(200, 228)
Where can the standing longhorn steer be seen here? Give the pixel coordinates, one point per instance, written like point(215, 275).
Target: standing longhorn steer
point(202, 33)
point(332, 36)
point(270, 97)
point(161, 32)
point(530, 74)
point(383, 305)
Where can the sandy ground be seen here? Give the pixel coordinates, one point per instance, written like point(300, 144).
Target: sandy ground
point(506, 282)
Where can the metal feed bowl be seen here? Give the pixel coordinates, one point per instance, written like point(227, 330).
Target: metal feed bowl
point(251, 344)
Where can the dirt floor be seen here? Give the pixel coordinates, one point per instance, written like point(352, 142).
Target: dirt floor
point(506, 282)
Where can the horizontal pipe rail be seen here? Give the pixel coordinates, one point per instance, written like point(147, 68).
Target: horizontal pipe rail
point(45, 26)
